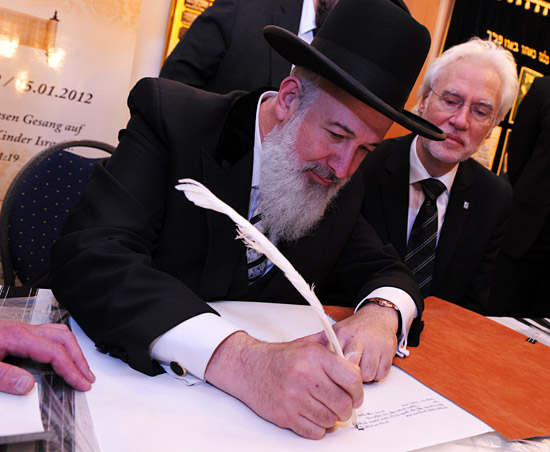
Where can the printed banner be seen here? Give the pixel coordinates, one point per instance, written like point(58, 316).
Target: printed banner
point(521, 26)
point(65, 69)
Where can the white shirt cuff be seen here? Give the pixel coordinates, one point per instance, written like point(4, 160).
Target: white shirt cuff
point(407, 309)
point(191, 344)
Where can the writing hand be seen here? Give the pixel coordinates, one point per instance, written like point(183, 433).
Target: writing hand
point(298, 385)
point(48, 343)
point(368, 339)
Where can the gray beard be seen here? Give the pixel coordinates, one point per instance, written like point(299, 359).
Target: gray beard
point(291, 203)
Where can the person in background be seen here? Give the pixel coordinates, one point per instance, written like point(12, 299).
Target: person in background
point(224, 49)
point(51, 343)
point(136, 262)
point(461, 205)
point(521, 283)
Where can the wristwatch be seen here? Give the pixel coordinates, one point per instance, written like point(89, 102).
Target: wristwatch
point(383, 302)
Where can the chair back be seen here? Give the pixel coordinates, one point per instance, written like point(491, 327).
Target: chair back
point(37, 203)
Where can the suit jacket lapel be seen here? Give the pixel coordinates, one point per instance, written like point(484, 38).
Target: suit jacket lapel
point(302, 254)
point(228, 174)
point(394, 191)
point(286, 14)
point(306, 253)
point(455, 219)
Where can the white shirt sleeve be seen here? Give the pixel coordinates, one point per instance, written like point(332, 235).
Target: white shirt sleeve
point(407, 309)
point(191, 344)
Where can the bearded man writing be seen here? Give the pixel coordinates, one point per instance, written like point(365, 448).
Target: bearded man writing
point(137, 261)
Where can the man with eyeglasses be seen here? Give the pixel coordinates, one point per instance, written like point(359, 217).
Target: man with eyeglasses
point(444, 212)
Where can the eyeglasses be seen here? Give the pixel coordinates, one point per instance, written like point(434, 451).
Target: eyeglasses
point(483, 114)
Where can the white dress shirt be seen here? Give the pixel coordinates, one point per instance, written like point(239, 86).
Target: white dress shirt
point(307, 21)
point(416, 195)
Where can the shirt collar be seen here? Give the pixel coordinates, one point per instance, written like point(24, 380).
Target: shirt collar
point(307, 22)
point(257, 163)
point(418, 172)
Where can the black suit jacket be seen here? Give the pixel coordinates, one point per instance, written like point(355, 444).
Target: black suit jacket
point(136, 258)
point(528, 166)
point(224, 49)
point(469, 238)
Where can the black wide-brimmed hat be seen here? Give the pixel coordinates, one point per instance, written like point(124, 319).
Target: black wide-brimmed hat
point(372, 49)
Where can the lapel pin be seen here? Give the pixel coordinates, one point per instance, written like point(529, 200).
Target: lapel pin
point(466, 205)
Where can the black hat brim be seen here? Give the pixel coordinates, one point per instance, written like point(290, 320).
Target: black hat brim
point(299, 53)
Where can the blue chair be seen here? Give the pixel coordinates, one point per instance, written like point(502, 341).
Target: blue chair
point(37, 203)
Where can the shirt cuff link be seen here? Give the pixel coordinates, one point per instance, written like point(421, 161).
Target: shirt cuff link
point(178, 369)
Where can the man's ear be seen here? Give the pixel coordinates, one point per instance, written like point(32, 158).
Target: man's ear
point(490, 131)
point(288, 98)
point(422, 104)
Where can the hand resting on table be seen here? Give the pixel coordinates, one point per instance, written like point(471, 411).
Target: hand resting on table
point(48, 343)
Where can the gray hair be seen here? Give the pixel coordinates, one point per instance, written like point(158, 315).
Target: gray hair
point(477, 49)
point(311, 87)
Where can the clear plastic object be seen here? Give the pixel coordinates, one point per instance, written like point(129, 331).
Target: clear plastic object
point(65, 415)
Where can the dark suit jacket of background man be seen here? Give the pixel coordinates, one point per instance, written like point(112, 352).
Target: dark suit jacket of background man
point(224, 49)
point(141, 258)
point(470, 237)
point(521, 286)
point(529, 169)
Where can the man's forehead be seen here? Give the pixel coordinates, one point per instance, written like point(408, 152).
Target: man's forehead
point(340, 107)
point(466, 71)
point(470, 77)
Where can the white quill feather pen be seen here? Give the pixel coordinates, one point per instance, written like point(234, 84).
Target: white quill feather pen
point(202, 197)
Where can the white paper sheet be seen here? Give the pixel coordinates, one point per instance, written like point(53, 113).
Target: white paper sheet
point(131, 411)
point(534, 331)
point(20, 415)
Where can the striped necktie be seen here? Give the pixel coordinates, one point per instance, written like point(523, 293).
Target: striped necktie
point(257, 262)
point(420, 255)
